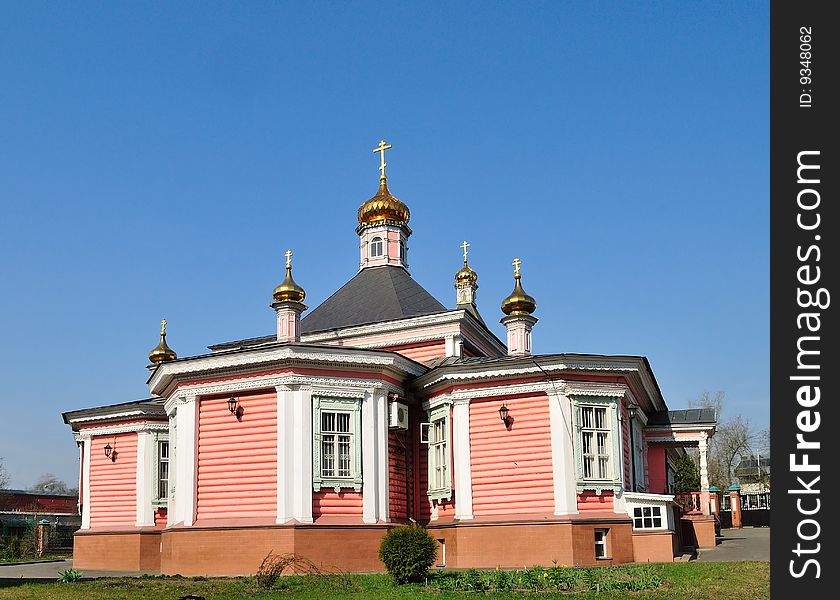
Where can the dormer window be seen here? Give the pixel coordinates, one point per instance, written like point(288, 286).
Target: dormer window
point(377, 248)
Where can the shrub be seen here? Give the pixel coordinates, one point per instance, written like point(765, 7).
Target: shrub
point(408, 552)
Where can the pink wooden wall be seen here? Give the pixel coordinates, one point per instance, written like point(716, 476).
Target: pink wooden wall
point(422, 352)
point(113, 493)
point(237, 460)
point(511, 470)
point(588, 502)
point(397, 475)
point(329, 505)
point(657, 473)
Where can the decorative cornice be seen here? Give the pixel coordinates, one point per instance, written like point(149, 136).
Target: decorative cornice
point(243, 361)
point(109, 417)
point(611, 390)
point(86, 434)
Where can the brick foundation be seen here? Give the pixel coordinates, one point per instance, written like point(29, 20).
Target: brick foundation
point(525, 544)
point(655, 546)
point(117, 551)
point(698, 531)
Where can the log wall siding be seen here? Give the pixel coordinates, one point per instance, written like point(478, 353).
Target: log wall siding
point(113, 484)
point(237, 459)
point(511, 469)
point(397, 476)
point(328, 502)
point(422, 352)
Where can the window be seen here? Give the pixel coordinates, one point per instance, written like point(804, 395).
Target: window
point(438, 473)
point(601, 543)
point(402, 251)
point(647, 517)
point(336, 444)
point(377, 248)
point(437, 438)
point(595, 442)
point(163, 470)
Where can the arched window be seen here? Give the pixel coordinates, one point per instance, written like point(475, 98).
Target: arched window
point(376, 247)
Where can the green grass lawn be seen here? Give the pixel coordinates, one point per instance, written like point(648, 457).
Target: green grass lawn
point(682, 581)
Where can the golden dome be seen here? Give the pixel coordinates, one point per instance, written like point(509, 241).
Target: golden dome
point(162, 352)
point(289, 291)
point(518, 303)
point(466, 276)
point(383, 208)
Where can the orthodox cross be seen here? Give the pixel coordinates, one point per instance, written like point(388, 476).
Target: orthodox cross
point(288, 256)
point(516, 263)
point(465, 245)
point(381, 148)
point(163, 327)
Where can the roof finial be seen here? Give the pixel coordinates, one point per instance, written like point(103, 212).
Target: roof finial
point(516, 262)
point(162, 352)
point(465, 245)
point(163, 327)
point(288, 256)
point(381, 148)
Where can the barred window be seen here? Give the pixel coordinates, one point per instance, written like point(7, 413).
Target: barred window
point(336, 444)
point(163, 470)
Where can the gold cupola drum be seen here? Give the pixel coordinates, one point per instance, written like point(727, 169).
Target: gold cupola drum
point(162, 352)
point(519, 322)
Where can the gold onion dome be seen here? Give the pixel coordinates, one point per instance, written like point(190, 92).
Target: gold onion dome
point(518, 303)
point(466, 275)
point(288, 290)
point(383, 208)
point(162, 352)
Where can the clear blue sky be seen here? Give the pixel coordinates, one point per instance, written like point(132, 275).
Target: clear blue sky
point(156, 159)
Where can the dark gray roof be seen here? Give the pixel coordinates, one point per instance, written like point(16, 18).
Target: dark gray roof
point(691, 416)
point(152, 407)
point(373, 295)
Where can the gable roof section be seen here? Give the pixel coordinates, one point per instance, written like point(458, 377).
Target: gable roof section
point(691, 416)
point(375, 294)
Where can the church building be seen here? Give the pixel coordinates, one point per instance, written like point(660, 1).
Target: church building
point(384, 406)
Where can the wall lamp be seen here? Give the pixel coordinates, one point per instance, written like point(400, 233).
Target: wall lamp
point(109, 453)
point(504, 415)
point(234, 408)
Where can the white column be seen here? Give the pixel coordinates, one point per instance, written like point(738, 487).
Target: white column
point(453, 344)
point(562, 454)
point(187, 460)
point(86, 483)
point(382, 467)
point(461, 453)
point(294, 454)
point(370, 483)
point(704, 475)
point(173, 468)
point(145, 451)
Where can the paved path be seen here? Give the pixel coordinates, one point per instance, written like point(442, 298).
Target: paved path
point(749, 543)
point(50, 570)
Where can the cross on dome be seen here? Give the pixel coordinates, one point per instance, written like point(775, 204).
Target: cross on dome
point(163, 327)
point(381, 148)
point(465, 245)
point(516, 262)
point(288, 255)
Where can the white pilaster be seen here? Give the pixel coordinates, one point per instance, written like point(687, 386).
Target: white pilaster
point(704, 475)
point(145, 455)
point(187, 460)
point(562, 454)
point(461, 462)
point(294, 454)
point(375, 456)
point(173, 468)
point(86, 483)
point(453, 343)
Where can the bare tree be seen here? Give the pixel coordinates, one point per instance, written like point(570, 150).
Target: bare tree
point(50, 484)
point(4, 475)
point(735, 438)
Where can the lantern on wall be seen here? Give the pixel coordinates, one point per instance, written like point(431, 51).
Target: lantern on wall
point(504, 415)
point(234, 408)
point(109, 452)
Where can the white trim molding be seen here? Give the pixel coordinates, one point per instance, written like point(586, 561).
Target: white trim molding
point(562, 454)
point(294, 454)
point(86, 443)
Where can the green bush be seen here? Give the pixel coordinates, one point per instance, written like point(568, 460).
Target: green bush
point(408, 552)
point(69, 576)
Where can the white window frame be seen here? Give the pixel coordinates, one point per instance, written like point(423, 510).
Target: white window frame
point(158, 438)
point(377, 242)
point(645, 517)
point(439, 423)
point(339, 406)
point(601, 536)
point(611, 477)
